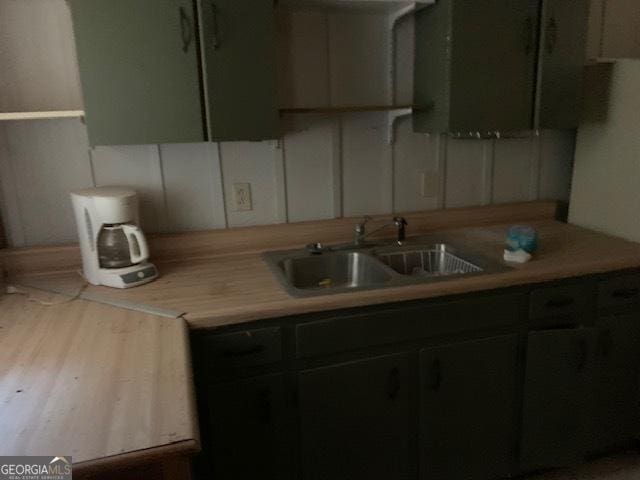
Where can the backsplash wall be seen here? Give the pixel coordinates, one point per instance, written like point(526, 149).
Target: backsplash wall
point(324, 167)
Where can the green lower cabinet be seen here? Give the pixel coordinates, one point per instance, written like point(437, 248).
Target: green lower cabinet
point(467, 409)
point(248, 432)
point(617, 395)
point(356, 420)
point(558, 392)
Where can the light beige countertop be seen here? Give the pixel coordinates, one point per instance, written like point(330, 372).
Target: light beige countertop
point(99, 383)
point(234, 288)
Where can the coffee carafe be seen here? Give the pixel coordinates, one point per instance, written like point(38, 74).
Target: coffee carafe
point(113, 247)
point(121, 245)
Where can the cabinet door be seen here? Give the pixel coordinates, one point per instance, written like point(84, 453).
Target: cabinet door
point(557, 405)
point(617, 415)
point(561, 63)
point(247, 434)
point(467, 409)
point(139, 70)
point(240, 69)
point(493, 59)
point(356, 420)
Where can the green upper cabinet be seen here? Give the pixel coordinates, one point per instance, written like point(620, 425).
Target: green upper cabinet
point(239, 38)
point(499, 65)
point(139, 67)
point(561, 63)
point(173, 71)
point(475, 65)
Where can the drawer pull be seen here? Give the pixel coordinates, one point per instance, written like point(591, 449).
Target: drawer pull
point(243, 353)
point(560, 302)
point(625, 293)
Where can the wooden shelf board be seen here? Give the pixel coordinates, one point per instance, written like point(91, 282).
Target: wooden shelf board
point(41, 115)
point(368, 108)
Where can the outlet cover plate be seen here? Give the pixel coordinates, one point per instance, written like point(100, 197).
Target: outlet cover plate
point(242, 197)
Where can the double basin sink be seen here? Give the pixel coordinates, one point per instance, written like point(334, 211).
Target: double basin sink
point(345, 268)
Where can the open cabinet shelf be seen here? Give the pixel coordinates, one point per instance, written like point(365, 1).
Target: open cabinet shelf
point(41, 115)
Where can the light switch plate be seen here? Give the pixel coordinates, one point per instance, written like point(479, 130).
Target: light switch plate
point(242, 197)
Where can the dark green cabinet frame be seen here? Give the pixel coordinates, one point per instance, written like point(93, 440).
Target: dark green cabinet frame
point(514, 381)
point(507, 65)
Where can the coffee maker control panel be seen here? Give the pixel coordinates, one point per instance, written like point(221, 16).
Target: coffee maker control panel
point(141, 276)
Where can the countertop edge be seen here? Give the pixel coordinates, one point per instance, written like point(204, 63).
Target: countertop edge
point(134, 458)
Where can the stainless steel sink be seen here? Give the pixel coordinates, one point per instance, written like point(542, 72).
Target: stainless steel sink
point(346, 268)
point(334, 270)
point(437, 261)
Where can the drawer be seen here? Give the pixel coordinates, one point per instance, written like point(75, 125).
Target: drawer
point(393, 325)
point(619, 291)
point(561, 300)
point(232, 351)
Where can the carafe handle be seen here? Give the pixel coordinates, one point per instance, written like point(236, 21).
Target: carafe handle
point(131, 233)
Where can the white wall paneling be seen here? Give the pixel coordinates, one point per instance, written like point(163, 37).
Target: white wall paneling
point(192, 186)
point(403, 62)
point(136, 166)
point(309, 150)
point(40, 162)
point(556, 164)
point(358, 58)
point(44, 76)
point(303, 49)
point(254, 163)
point(468, 162)
point(325, 167)
point(414, 155)
point(366, 165)
point(512, 169)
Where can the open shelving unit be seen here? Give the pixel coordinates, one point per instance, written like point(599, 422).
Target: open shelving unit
point(12, 116)
point(346, 56)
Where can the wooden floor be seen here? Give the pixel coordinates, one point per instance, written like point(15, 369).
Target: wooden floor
point(624, 466)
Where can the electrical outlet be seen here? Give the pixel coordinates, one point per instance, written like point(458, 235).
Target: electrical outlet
point(429, 184)
point(242, 197)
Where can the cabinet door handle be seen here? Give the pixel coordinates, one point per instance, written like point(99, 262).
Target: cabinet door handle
point(560, 302)
point(625, 293)
point(243, 353)
point(528, 35)
point(551, 35)
point(215, 32)
point(582, 354)
point(186, 31)
point(393, 383)
point(435, 375)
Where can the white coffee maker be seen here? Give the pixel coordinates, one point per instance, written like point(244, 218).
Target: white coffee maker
point(114, 249)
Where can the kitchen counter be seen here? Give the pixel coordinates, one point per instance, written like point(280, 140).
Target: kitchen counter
point(109, 386)
point(234, 288)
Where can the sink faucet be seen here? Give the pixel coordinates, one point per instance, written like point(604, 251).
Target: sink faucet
point(361, 233)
